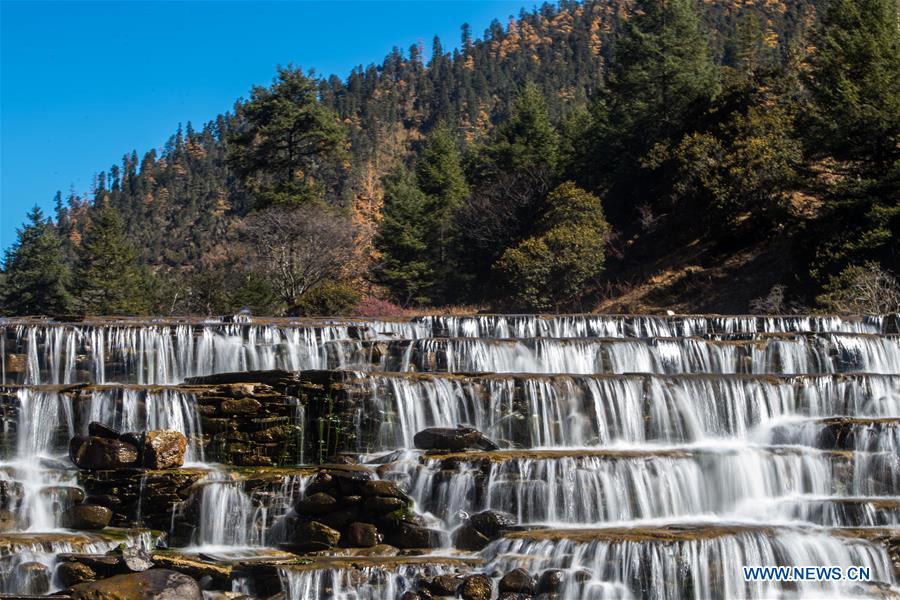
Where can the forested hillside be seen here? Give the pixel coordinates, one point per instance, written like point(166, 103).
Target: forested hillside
point(602, 155)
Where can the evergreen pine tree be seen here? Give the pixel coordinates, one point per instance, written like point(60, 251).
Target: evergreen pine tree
point(439, 175)
point(855, 80)
point(527, 140)
point(402, 239)
point(290, 143)
point(109, 281)
point(37, 277)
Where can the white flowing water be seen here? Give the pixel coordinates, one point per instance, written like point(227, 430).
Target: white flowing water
point(702, 568)
point(649, 457)
point(365, 583)
point(792, 354)
point(232, 518)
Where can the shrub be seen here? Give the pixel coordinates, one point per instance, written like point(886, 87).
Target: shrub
point(561, 266)
point(327, 299)
point(370, 306)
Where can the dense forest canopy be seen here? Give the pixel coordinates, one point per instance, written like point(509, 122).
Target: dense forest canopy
point(610, 155)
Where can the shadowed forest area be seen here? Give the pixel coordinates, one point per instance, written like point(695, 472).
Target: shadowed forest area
point(611, 155)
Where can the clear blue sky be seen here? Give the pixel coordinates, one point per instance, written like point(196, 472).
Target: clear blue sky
point(82, 83)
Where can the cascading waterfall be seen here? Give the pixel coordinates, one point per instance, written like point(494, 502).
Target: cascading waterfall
point(644, 456)
point(366, 583)
point(704, 564)
point(36, 489)
point(570, 326)
point(763, 354)
point(578, 411)
point(230, 518)
point(615, 487)
point(165, 354)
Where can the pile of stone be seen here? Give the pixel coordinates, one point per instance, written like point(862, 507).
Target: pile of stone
point(122, 471)
point(346, 506)
point(248, 424)
point(517, 584)
point(105, 448)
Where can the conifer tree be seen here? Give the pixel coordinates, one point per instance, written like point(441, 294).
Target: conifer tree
point(855, 80)
point(108, 279)
point(403, 240)
point(37, 277)
point(439, 175)
point(290, 144)
point(662, 69)
point(527, 140)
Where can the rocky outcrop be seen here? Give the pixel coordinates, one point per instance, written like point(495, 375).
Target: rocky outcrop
point(154, 584)
point(145, 497)
point(250, 423)
point(347, 506)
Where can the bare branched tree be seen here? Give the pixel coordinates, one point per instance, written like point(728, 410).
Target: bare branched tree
point(770, 304)
point(300, 247)
point(861, 289)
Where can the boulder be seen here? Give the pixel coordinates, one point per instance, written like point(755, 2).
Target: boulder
point(349, 481)
point(153, 584)
point(164, 449)
point(65, 495)
point(96, 453)
point(319, 503)
point(518, 581)
point(380, 505)
point(476, 587)
point(73, 573)
point(8, 520)
point(363, 535)
point(453, 440)
point(34, 578)
point(136, 439)
point(492, 522)
point(340, 518)
point(445, 585)
point(466, 537)
point(131, 558)
point(316, 536)
point(384, 488)
point(407, 535)
point(97, 429)
point(86, 516)
point(321, 482)
point(551, 581)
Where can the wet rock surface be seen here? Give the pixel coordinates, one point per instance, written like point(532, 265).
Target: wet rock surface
point(453, 440)
point(86, 517)
point(154, 584)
